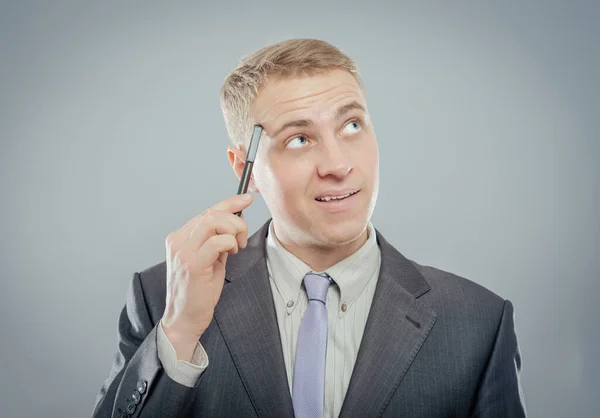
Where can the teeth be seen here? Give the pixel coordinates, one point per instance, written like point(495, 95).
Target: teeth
point(328, 198)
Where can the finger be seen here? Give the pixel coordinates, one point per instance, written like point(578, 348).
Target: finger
point(212, 249)
point(234, 204)
point(214, 220)
point(242, 237)
point(215, 223)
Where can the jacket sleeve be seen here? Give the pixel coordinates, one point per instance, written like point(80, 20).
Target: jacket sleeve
point(137, 385)
point(183, 372)
point(500, 393)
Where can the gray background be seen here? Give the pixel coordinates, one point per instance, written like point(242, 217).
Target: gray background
point(487, 118)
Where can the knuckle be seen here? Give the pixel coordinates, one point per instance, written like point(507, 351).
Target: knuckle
point(224, 242)
point(240, 223)
point(214, 241)
point(211, 218)
point(199, 228)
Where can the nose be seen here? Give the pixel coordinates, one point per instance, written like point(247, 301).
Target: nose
point(334, 158)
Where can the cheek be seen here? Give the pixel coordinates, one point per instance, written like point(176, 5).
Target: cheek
point(265, 180)
point(372, 153)
point(282, 182)
point(293, 178)
point(374, 158)
point(367, 156)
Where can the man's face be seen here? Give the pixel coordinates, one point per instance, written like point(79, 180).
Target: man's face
point(318, 141)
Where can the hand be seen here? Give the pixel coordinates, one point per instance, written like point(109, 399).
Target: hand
point(196, 258)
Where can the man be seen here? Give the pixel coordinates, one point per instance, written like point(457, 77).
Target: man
point(316, 314)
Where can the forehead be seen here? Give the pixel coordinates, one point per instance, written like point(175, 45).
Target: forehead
point(311, 95)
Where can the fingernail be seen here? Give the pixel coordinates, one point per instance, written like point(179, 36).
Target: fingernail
point(246, 196)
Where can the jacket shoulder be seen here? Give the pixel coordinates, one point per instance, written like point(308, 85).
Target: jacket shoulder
point(444, 280)
point(153, 284)
point(459, 297)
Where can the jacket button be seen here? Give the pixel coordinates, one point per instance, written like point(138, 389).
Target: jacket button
point(142, 386)
point(135, 397)
point(130, 408)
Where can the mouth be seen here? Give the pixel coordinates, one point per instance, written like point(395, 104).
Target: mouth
point(334, 198)
point(336, 204)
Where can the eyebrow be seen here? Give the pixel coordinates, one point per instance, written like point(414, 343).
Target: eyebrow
point(304, 123)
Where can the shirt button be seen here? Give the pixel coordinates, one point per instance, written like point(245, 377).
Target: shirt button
point(290, 304)
point(344, 307)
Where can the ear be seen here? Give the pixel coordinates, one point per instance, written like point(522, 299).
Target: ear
point(237, 159)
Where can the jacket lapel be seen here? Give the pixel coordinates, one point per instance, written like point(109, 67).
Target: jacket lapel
point(246, 317)
point(397, 325)
point(396, 328)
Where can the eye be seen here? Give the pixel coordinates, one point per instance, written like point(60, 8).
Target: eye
point(352, 127)
point(297, 142)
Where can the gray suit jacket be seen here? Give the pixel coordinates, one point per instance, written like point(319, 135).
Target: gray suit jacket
point(435, 345)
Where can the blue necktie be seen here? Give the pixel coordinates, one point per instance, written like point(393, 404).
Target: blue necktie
point(308, 390)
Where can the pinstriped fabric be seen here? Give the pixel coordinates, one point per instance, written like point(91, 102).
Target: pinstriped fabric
point(221, 403)
point(249, 331)
point(434, 345)
point(348, 304)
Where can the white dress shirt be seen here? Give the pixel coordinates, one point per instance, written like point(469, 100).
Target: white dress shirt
point(348, 303)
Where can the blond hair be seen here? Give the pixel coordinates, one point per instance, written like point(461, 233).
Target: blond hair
point(286, 59)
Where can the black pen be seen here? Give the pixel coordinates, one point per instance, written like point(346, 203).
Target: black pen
point(252, 150)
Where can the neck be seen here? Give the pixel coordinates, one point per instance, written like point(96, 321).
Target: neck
point(320, 257)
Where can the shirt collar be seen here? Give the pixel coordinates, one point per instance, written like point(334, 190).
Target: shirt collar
point(350, 274)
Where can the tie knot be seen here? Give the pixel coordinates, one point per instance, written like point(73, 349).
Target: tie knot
point(316, 286)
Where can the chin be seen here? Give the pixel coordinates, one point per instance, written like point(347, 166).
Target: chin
point(340, 233)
